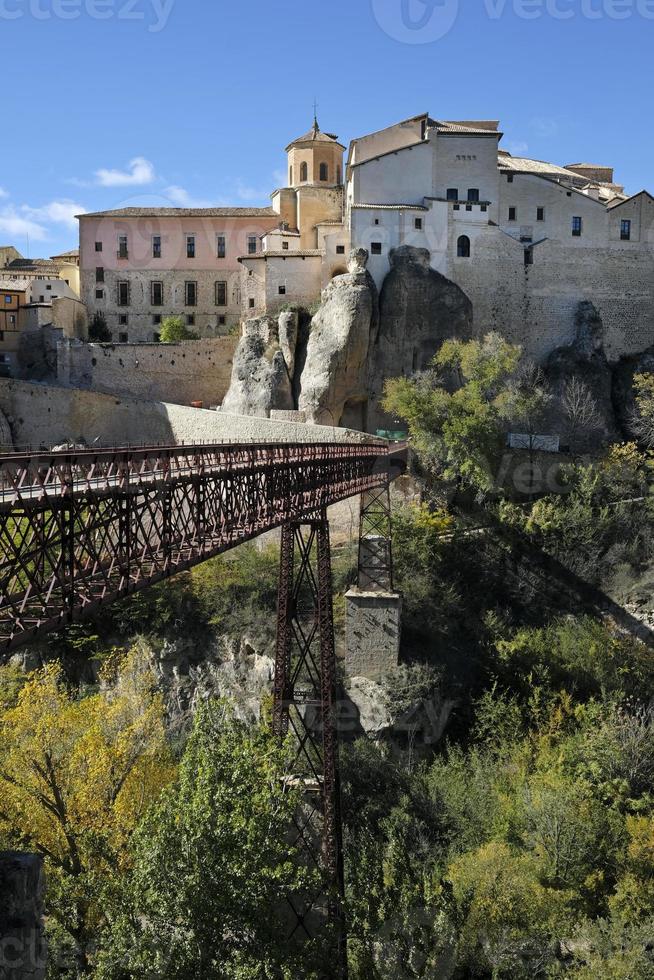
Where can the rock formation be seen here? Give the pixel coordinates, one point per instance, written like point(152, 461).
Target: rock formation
point(624, 402)
point(6, 439)
point(584, 361)
point(419, 309)
point(261, 378)
point(334, 382)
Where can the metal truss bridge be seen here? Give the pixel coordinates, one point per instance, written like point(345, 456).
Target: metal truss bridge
point(85, 528)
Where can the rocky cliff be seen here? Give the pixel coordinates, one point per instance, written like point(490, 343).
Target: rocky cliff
point(263, 367)
point(419, 309)
point(334, 382)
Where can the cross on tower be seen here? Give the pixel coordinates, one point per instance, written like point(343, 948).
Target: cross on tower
point(315, 114)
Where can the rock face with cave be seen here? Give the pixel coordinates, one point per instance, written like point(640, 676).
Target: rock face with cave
point(419, 309)
point(584, 361)
point(334, 382)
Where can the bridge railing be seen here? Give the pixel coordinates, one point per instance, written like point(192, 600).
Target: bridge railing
point(84, 527)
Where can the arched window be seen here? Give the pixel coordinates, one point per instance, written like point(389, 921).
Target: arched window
point(290, 176)
point(324, 171)
point(463, 247)
point(304, 173)
point(338, 176)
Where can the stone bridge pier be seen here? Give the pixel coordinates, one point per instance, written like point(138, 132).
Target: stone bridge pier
point(22, 937)
point(373, 608)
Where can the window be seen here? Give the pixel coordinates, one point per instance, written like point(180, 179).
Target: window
point(156, 293)
point(473, 194)
point(156, 337)
point(529, 256)
point(509, 178)
point(221, 246)
point(190, 319)
point(468, 207)
point(12, 319)
point(324, 172)
point(190, 246)
point(2, 335)
point(284, 246)
point(50, 287)
point(99, 274)
point(98, 246)
point(463, 247)
point(122, 319)
point(122, 247)
point(156, 319)
point(290, 176)
point(513, 214)
point(191, 293)
point(625, 231)
point(484, 207)
point(453, 193)
point(123, 338)
point(282, 290)
point(251, 304)
point(577, 227)
point(376, 248)
point(123, 294)
point(338, 175)
point(222, 320)
point(457, 207)
point(340, 249)
point(540, 214)
point(304, 173)
point(252, 244)
point(376, 221)
point(418, 224)
point(156, 246)
point(7, 299)
point(99, 294)
point(221, 294)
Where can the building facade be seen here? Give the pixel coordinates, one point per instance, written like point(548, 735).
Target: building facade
point(140, 265)
point(525, 239)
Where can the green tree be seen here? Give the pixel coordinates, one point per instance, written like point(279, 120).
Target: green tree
point(459, 434)
point(173, 330)
point(213, 866)
point(99, 332)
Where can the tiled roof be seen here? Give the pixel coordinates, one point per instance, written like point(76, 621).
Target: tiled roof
point(183, 213)
point(301, 253)
point(33, 265)
point(476, 128)
point(525, 165)
point(315, 136)
point(388, 207)
point(14, 285)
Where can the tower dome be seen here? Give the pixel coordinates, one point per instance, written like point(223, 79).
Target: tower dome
point(316, 159)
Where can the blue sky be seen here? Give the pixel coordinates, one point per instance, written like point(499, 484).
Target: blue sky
point(173, 102)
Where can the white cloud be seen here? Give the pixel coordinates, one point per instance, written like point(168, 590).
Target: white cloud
point(56, 212)
point(3, 192)
point(251, 194)
point(517, 148)
point(140, 172)
point(180, 198)
point(16, 226)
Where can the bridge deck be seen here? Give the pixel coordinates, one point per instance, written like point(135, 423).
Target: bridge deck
point(82, 528)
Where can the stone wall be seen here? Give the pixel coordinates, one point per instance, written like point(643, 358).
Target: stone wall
point(195, 370)
point(44, 416)
point(22, 939)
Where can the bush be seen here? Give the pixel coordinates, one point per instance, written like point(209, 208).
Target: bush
point(174, 330)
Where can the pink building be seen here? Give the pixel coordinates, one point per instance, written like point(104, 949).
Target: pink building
point(139, 265)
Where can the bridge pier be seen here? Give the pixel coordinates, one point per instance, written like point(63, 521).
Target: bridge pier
point(22, 936)
point(305, 706)
point(373, 610)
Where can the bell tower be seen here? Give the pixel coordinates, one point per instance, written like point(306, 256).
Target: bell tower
point(315, 159)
